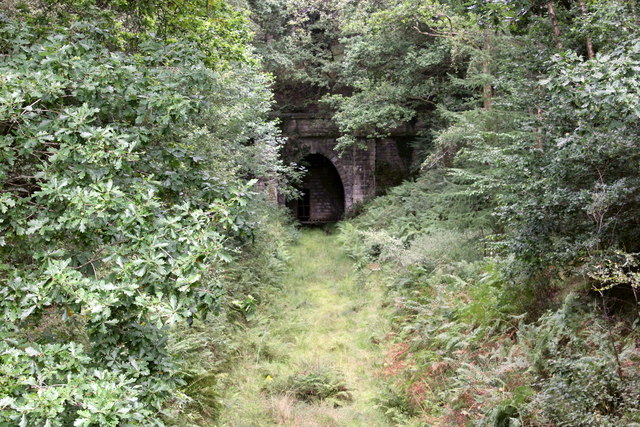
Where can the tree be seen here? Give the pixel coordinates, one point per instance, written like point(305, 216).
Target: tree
point(126, 175)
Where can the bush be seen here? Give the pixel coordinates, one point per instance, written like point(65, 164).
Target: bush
point(314, 384)
point(582, 379)
point(473, 345)
point(206, 349)
point(126, 190)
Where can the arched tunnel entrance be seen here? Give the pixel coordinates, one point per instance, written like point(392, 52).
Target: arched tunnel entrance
point(322, 191)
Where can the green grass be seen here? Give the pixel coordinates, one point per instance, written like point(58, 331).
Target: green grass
point(319, 333)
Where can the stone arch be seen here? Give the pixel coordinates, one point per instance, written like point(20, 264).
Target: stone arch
point(355, 165)
point(323, 191)
point(359, 166)
point(326, 149)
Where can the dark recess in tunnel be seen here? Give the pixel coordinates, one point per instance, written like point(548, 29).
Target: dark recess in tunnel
point(322, 198)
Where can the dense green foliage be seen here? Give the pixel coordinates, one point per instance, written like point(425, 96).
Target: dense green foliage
point(524, 214)
point(127, 187)
point(471, 346)
point(537, 109)
point(133, 138)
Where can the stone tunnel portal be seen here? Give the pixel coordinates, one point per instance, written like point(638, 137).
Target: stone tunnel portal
point(322, 191)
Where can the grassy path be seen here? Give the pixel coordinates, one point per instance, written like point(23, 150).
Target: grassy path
point(317, 337)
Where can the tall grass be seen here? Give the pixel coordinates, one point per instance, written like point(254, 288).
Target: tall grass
point(208, 348)
point(308, 357)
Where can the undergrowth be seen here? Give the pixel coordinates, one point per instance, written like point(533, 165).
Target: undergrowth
point(472, 346)
point(207, 348)
point(307, 356)
point(317, 383)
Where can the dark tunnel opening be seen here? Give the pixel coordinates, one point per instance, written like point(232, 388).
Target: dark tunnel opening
point(322, 192)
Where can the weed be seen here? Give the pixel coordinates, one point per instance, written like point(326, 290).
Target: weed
point(314, 384)
point(308, 358)
point(473, 344)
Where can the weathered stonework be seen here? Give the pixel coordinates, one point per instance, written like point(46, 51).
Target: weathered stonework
point(364, 172)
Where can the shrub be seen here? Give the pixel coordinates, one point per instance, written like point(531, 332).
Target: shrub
point(582, 379)
point(314, 384)
point(126, 190)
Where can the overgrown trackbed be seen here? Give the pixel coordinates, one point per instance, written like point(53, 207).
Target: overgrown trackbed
point(310, 358)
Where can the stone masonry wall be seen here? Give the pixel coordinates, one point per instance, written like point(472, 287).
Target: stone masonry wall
point(311, 134)
point(326, 195)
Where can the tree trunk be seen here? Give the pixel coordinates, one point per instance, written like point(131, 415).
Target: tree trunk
point(554, 24)
point(487, 92)
point(539, 140)
point(590, 53)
